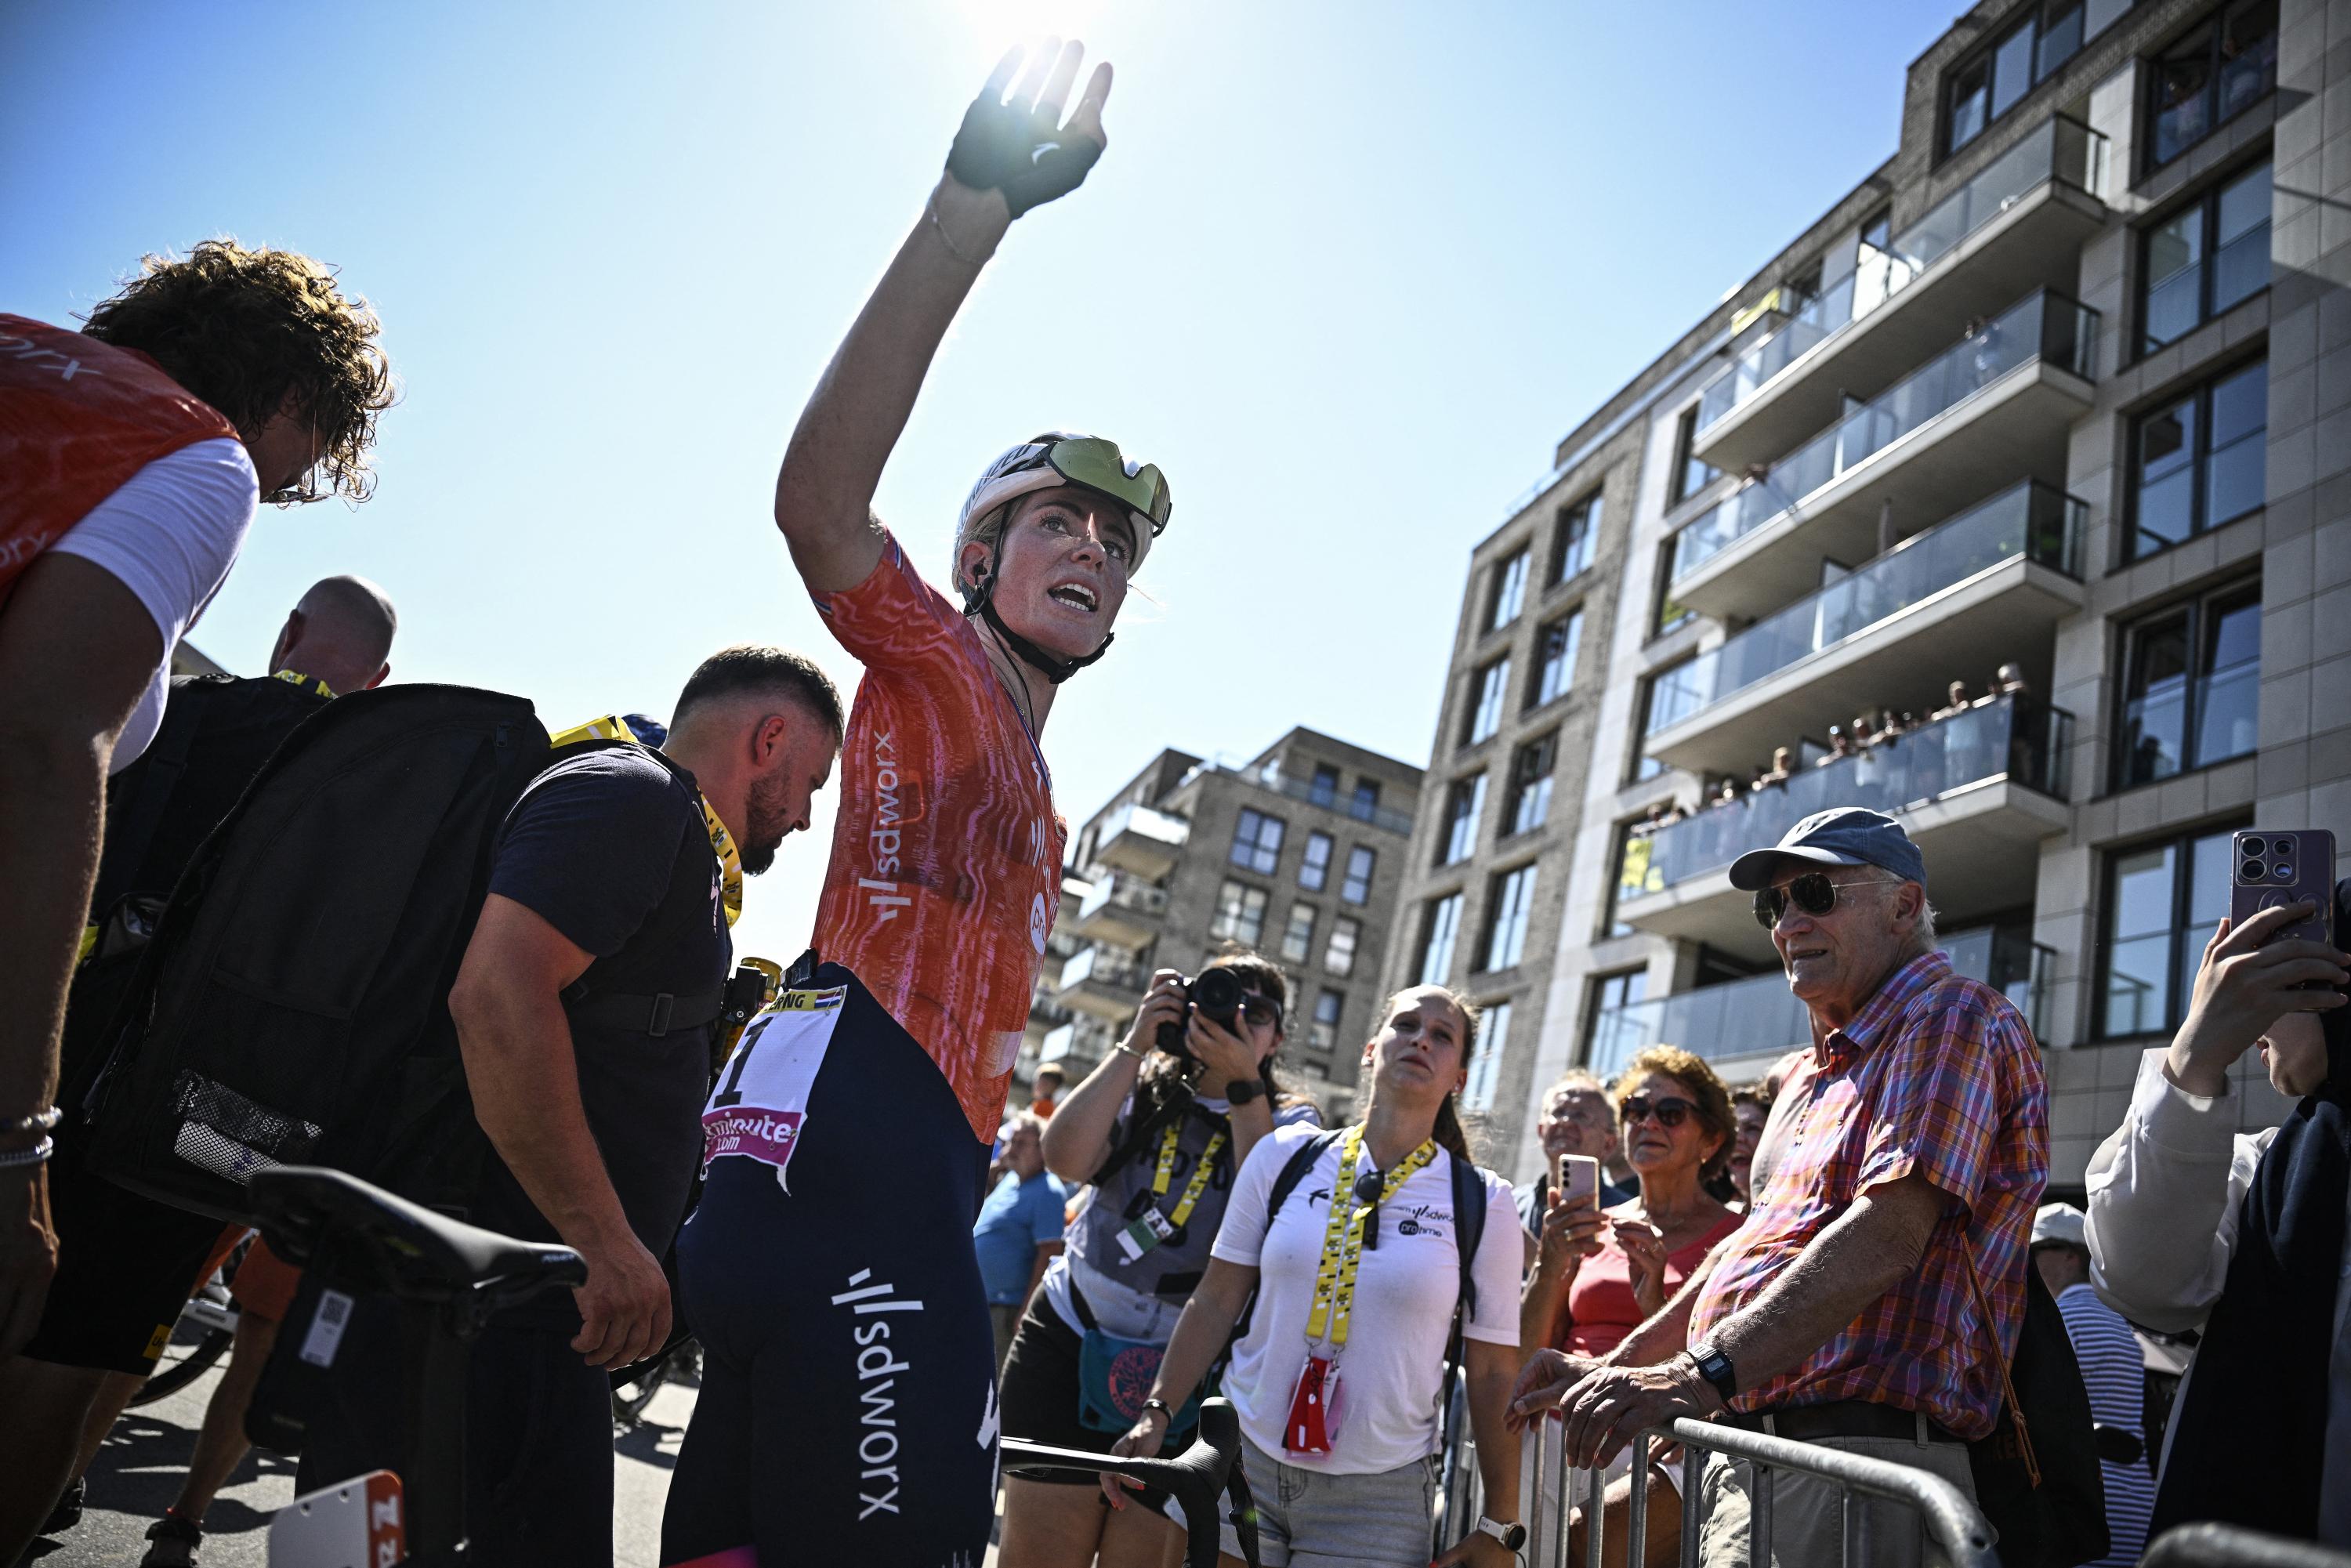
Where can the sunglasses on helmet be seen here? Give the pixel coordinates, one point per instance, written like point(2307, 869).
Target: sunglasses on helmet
point(1813, 893)
point(1097, 464)
point(1668, 1111)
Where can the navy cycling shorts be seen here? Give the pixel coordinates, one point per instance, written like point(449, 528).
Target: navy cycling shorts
point(848, 1409)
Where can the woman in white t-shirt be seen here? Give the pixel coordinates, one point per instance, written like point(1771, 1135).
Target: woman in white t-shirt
point(1338, 1380)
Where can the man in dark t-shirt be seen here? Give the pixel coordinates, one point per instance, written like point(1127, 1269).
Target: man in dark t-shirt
point(587, 1058)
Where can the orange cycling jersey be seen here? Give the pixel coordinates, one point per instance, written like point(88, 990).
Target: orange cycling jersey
point(947, 856)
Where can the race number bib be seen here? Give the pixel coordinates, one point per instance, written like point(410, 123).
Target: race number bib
point(761, 1101)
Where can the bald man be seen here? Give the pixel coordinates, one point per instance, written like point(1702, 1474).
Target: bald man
point(127, 1263)
point(340, 633)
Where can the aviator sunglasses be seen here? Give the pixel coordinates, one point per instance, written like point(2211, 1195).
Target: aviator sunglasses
point(1668, 1111)
point(1813, 893)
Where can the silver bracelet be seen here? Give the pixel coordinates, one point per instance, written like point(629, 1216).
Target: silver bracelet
point(1125, 1049)
point(931, 211)
point(38, 1154)
point(39, 1122)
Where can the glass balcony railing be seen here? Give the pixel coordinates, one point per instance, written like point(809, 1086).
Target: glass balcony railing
point(1084, 1039)
point(1103, 966)
point(1148, 822)
point(1760, 1016)
point(2044, 326)
point(2062, 149)
point(2032, 521)
point(2016, 737)
point(1125, 892)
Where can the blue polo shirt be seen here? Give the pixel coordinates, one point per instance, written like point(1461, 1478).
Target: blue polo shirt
point(1018, 1218)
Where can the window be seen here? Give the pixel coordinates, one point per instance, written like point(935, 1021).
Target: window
point(1365, 802)
point(1990, 82)
point(1489, 683)
point(1612, 994)
point(1530, 774)
point(2200, 462)
point(1297, 937)
point(1240, 913)
point(1339, 958)
point(1485, 1063)
point(1464, 801)
point(1506, 918)
point(2178, 291)
point(1256, 841)
point(1509, 595)
point(1314, 870)
point(1671, 616)
point(2192, 685)
point(2210, 77)
point(1691, 475)
point(1323, 1032)
point(1579, 528)
point(1439, 924)
point(2162, 903)
point(1555, 647)
point(1357, 887)
point(1324, 790)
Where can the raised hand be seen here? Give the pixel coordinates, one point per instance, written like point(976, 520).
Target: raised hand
point(1019, 145)
point(1645, 1250)
point(2246, 983)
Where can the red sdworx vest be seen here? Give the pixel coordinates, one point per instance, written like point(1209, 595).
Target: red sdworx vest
point(77, 417)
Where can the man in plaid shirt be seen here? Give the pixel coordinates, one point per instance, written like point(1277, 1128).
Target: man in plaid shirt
point(1908, 1149)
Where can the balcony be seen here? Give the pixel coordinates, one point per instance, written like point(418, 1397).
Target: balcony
point(1979, 791)
point(1141, 840)
point(1102, 982)
point(2018, 224)
point(1271, 777)
point(1985, 586)
point(1081, 1041)
point(1121, 910)
point(1992, 409)
point(1743, 1027)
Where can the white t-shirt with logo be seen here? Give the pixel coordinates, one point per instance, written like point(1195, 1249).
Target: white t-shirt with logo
point(169, 534)
point(1392, 1368)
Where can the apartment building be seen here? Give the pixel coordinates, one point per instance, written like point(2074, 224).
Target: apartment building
point(2013, 498)
point(1297, 852)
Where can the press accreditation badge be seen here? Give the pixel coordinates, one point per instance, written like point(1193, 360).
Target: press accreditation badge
point(1144, 1234)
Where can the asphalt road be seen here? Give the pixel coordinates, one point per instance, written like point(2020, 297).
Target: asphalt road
point(137, 1475)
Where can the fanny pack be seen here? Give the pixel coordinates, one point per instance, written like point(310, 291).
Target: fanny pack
point(1115, 1377)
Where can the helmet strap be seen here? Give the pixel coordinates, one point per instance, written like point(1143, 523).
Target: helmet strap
point(1052, 669)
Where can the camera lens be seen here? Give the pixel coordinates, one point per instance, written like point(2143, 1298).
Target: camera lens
point(2281, 872)
point(1218, 993)
point(2249, 847)
point(2253, 870)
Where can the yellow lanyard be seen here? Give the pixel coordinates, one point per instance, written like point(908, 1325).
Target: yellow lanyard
point(722, 843)
point(308, 683)
point(1166, 1172)
point(1343, 1237)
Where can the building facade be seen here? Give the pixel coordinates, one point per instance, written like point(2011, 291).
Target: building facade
point(2013, 498)
point(1297, 853)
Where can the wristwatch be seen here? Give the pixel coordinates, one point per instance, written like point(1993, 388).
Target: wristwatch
point(1160, 1406)
point(1714, 1367)
point(1241, 1091)
point(1512, 1536)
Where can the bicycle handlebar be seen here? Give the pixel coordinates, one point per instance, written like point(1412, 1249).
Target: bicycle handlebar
point(1211, 1464)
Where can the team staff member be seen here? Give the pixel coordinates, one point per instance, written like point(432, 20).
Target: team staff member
point(1019, 1230)
point(1180, 1128)
point(1356, 1277)
point(132, 454)
point(848, 1406)
point(612, 874)
point(129, 1262)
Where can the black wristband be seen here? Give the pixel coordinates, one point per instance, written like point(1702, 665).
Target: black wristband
point(1160, 1406)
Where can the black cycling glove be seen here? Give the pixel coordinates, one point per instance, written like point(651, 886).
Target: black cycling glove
point(1020, 151)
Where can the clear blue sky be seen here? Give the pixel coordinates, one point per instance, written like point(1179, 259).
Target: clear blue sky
point(1347, 272)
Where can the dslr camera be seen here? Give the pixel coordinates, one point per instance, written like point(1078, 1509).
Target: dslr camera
point(1218, 994)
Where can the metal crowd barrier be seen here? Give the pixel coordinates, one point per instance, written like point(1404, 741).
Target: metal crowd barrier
point(2231, 1546)
point(1951, 1521)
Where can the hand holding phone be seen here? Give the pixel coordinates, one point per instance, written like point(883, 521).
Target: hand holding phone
point(2274, 869)
point(1576, 1179)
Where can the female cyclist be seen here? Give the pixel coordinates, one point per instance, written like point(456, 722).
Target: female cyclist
point(1356, 1275)
point(1155, 1137)
point(848, 1409)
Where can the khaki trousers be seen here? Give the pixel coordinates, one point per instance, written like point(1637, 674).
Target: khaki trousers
point(1807, 1512)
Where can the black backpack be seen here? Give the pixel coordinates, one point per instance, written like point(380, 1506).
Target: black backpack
point(292, 1006)
point(218, 734)
point(2036, 1474)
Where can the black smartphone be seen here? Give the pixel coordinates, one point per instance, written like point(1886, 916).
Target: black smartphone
point(2287, 866)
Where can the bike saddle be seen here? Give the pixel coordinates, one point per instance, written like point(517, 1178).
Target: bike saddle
point(361, 1238)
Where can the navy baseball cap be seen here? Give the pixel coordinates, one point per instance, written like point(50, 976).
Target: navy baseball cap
point(1848, 835)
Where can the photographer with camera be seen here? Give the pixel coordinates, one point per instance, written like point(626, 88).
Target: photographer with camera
point(1158, 1129)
